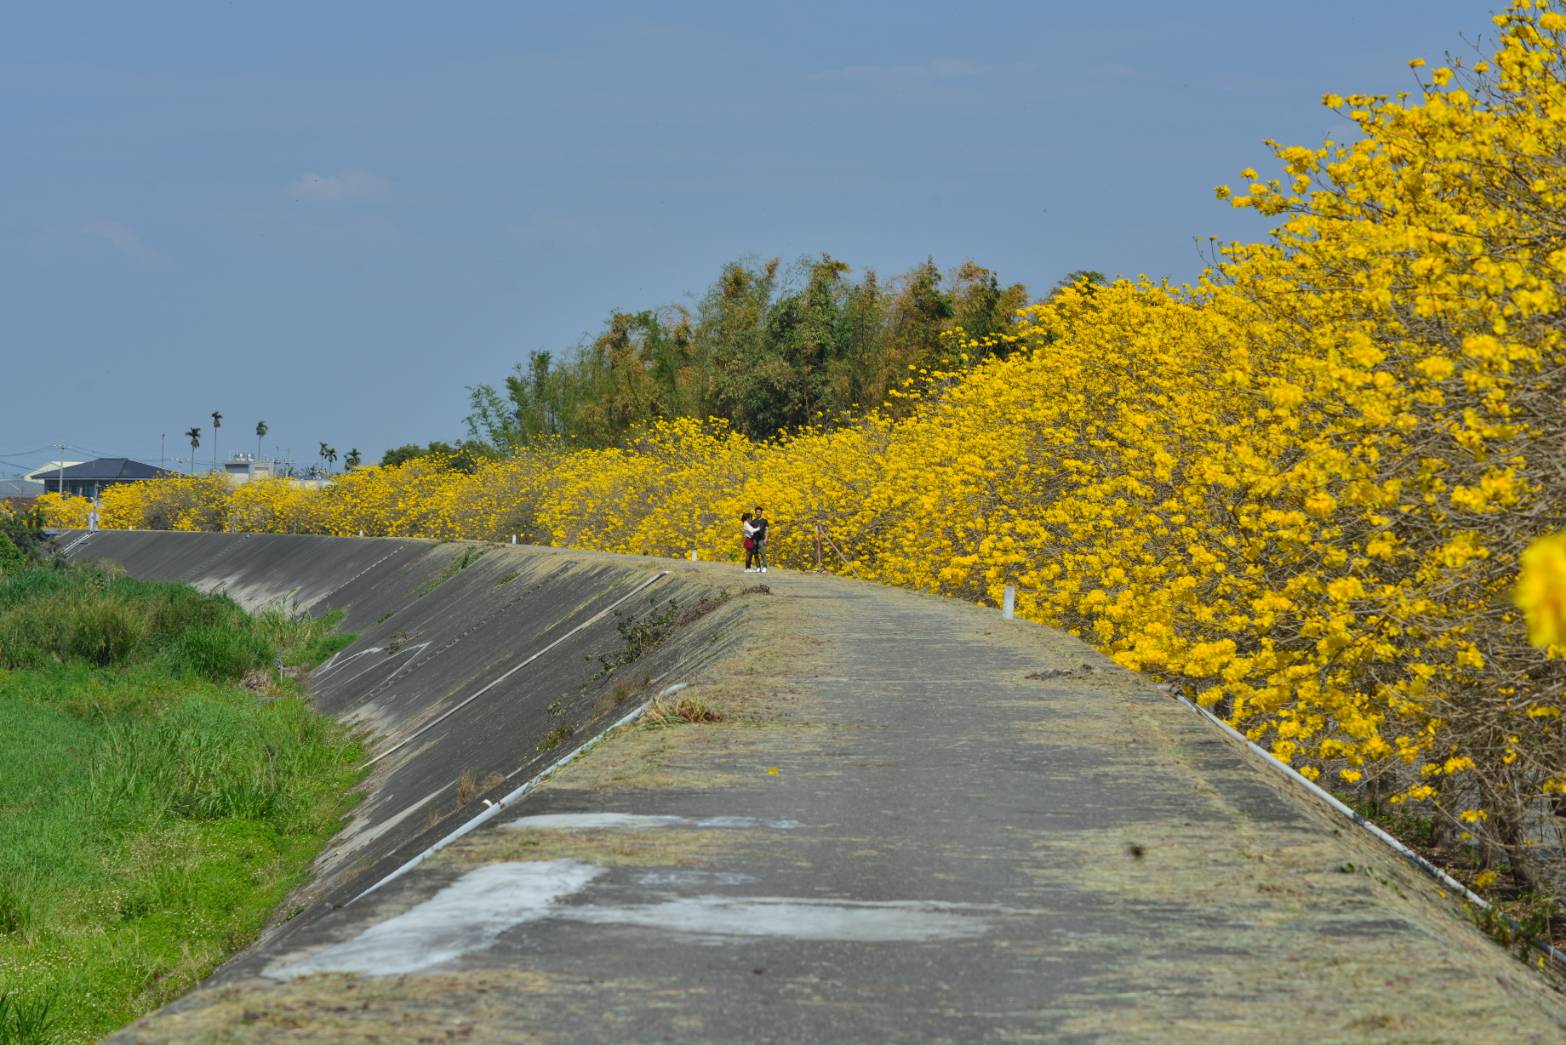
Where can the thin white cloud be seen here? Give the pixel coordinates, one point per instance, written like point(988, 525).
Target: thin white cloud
point(350, 186)
point(937, 72)
point(106, 232)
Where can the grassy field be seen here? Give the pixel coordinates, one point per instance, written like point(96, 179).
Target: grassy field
point(163, 785)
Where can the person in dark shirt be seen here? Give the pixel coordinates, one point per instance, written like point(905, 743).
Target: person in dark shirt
point(758, 531)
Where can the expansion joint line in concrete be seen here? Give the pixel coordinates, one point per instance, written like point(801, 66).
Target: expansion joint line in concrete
point(494, 808)
point(325, 598)
point(450, 644)
point(1542, 946)
point(589, 622)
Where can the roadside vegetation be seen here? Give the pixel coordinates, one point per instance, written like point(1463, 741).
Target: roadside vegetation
point(165, 785)
point(1299, 489)
point(766, 347)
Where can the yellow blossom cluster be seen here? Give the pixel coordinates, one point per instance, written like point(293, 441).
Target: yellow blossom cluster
point(1299, 488)
point(1541, 592)
point(64, 510)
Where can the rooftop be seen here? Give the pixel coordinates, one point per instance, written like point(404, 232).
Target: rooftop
point(106, 469)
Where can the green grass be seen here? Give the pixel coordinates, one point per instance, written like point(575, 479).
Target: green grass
point(153, 812)
point(557, 736)
point(305, 641)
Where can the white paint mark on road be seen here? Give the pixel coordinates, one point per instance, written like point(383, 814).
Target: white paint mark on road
point(670, 879)
point(636, 822)
point(796, 919)
point(465, 916)
point(471, 914)
point(745, 821)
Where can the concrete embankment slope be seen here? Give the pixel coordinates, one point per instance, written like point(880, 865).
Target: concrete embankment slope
point(915, 822)
point(475, 666)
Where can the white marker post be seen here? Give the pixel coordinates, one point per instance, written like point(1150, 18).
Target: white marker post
point(1009, 602)
point(693, 555)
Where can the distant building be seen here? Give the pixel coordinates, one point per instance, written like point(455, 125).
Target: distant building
point(242, 468)
point(90, 478)
point(37, 474)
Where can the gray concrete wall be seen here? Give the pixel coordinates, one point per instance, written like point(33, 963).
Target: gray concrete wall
point(467, 657)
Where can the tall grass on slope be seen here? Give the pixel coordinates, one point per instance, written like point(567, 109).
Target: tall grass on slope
point(153, 811)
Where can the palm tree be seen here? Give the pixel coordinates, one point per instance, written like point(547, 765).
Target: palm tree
point(353, 458)
point(331, 458)
point(195, 441)
point(260, 435)
point(217, 422)
point(321, 453)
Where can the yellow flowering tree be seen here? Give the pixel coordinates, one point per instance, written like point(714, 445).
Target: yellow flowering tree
point(64, 511)
point(1298, 489)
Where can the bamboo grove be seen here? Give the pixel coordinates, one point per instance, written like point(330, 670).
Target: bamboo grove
point(1300, 489)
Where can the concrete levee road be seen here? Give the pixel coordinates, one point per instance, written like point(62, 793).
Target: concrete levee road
point(914, 822)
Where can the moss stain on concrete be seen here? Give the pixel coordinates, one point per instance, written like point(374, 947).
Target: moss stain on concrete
point(750, 685)
point(477, 1005)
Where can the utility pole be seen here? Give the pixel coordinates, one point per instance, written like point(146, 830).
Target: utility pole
point(61, 490)
point(163, 451)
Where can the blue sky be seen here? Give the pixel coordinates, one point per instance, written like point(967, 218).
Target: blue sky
point(334, 217)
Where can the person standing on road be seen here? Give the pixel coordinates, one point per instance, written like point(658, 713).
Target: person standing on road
point(749, 530)
point(758, 526)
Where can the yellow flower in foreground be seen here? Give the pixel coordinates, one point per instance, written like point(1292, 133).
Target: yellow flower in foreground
point(1541, 590)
